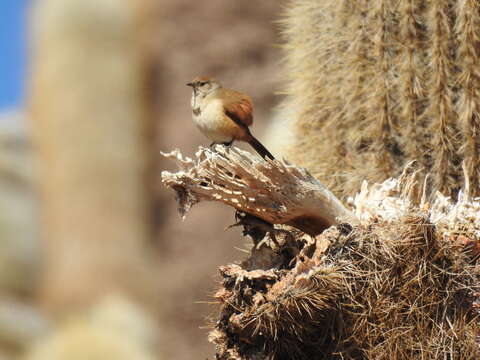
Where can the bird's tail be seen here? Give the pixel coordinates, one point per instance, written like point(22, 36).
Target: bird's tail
point(259, 148)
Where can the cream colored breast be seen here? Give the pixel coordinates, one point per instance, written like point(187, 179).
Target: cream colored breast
point(209, 117)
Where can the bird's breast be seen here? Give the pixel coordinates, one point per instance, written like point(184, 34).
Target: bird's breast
point(210, 118)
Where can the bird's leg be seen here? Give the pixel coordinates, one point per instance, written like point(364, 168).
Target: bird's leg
point(228, 144)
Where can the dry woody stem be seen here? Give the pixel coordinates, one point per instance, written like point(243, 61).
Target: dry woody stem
point(396, 278)
point(274, 191)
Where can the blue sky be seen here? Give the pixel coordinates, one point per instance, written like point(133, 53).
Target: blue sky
point(12, 52)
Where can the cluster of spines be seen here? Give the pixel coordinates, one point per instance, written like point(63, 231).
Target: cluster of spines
point(392, 290)
point(377, 83)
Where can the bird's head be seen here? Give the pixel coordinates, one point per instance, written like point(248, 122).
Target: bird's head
point(204, 85)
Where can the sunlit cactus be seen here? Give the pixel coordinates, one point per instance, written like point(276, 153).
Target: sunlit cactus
point(377, 83)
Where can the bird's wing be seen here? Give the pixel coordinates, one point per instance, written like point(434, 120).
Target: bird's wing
point(238, 107)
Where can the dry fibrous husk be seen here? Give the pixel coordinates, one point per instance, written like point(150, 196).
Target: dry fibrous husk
point(398, 280)
point(275, 191)
point(455, 219)
point(402, 283)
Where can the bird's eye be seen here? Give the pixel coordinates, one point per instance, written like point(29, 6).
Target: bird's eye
point(202, 83)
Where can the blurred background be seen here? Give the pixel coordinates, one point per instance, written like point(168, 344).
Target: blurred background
point(95, 262)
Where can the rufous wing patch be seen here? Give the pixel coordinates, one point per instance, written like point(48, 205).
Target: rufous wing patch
point(238, 107)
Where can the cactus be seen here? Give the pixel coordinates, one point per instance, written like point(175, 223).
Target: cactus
point(377, 83)
point(90, 124)
point(398, 285)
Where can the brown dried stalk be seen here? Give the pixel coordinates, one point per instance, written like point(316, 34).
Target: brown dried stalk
point(274, 191)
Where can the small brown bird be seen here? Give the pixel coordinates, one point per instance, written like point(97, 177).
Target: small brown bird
point(223, 115)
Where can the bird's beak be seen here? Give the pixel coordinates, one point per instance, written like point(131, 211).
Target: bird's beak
point(190, 84)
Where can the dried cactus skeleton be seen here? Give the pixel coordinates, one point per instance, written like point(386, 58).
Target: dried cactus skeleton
point(399, 282)
point(274, 191)
point(387, 290)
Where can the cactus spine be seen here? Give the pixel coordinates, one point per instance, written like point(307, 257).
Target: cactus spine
point(378, 83)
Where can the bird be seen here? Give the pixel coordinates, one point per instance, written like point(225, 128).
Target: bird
point(223, 115)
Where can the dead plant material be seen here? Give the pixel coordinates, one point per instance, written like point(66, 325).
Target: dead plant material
point(399, 281)
point(393, 286)
point(274, 191)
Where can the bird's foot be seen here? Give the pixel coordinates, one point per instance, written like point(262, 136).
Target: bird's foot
point(228, 144)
